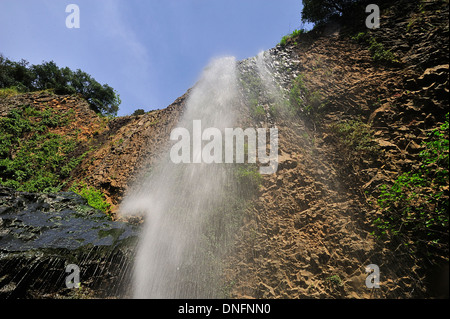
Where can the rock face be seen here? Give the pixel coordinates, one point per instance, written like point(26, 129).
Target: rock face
point(127, 149)
point(115, 151)
point(308, 234)
point(40, 234)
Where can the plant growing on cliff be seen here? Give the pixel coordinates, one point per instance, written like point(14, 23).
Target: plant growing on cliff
point(249, 177)
point(94, 197)
point(415, 206)
point(303, 99)
point(355, 136)
point(292, 35)
point(33, 158)
point(379, 53)
point(138, 112)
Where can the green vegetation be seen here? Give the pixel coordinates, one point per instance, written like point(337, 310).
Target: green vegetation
point(8, 92)
point(252, 86)
point(32, 158)
point(376, 49)
point(320, 11)
point(335, 281)
point(304, 100)
point(355, 136)
point(21, 77)
point(249, 177)
point(94, 197)
point(293, 35)
point(257, 109)
point(138, 112)
point(415, 206)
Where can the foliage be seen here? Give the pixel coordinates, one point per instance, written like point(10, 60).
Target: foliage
point(415, 206)
point(23, 77)
point(356, 136)
point(32, 158)
point(294, 34)
point(334, 281)
point(248, 177)
point(319, 11)
point(304, 100)
point(8, 92)
point(258, 111)
point(376, 49)
point(138, 112)
point(94, 197)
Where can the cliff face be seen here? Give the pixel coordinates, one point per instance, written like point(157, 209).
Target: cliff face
point(111, 151)
point(309, 231)
point(127, 148)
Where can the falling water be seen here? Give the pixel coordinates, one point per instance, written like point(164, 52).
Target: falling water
point(272, 88)
point(178, 200)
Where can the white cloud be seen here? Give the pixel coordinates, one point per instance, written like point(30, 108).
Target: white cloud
point(114, 24)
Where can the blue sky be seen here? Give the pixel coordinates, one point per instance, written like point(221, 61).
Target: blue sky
point(150, 51)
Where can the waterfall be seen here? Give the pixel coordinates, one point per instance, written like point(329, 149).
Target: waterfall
point(178, 199)
point(270, 85)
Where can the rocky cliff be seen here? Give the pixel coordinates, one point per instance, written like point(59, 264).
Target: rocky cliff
point(310, 233)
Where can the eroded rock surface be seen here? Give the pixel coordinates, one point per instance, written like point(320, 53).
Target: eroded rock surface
point(40, 234)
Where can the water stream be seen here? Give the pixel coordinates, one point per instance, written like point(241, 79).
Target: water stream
point(177, 198)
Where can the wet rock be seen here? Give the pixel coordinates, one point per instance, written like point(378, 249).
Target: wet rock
point(40, 234)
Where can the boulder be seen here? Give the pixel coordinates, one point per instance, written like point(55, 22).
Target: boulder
point(41, 234)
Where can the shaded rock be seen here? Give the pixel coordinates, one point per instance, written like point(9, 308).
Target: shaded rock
point(438, 73)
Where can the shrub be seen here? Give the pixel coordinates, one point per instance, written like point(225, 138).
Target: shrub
point(258, 111)
point(249, 177)
point(304, 100)
point(31, 157)
point(7, 92)
point(102, 98)
point(94, 197)
point(294, 34)
point(138, 112)
point(356, 136)
point(376, 49)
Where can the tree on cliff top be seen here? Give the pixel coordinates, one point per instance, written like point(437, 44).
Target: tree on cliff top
point(102, 98)
point(318, 11)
